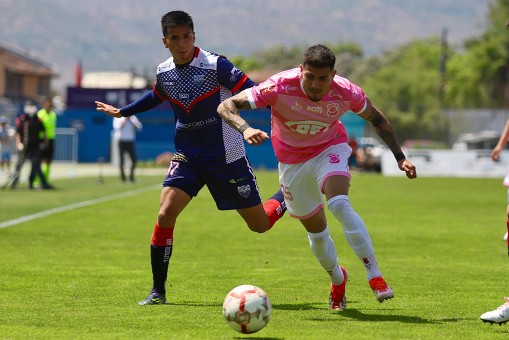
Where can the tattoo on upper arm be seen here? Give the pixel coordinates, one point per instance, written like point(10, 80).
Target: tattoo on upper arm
point(242, 104)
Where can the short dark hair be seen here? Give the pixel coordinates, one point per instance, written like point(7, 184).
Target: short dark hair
point(319, 56)
point(176, 18)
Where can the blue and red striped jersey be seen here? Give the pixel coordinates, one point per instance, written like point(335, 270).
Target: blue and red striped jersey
point(194, 91)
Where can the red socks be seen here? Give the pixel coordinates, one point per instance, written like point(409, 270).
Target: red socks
point(274, 210)
point(162, 237)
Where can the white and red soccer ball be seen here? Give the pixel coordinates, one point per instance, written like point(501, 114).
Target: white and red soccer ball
point(247, 309)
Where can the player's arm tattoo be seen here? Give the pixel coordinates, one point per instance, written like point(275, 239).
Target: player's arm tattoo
point(384, 129)
point(229, 111)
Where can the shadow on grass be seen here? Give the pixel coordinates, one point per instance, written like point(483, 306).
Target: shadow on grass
point(258, 338)
point(297, 306)
point(360, 316)
point(347, 314)
point(292, 306)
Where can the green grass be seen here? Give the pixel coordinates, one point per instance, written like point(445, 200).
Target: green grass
point(79, 274)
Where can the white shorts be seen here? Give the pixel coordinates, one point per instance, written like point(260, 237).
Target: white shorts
point(302, 183)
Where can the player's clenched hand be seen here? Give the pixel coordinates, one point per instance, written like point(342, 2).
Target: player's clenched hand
point(255, 136)
point(495, 153)
point(108, 109)
point(409, 169)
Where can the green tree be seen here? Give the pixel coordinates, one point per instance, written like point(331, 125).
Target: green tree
point(348, 56)
point(479, 77)
point(246, 64)
point(404, 82)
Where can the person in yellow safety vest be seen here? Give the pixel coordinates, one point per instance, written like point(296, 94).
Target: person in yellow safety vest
point(49, 120)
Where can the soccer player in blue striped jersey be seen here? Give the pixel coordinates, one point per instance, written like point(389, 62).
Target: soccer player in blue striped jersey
point(208, 151)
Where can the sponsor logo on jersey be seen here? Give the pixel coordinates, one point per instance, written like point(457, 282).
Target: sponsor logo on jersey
point(195, 125)
point(205, 65)
point(308, 127)
point(315, 109)
point(296, 107)
point(333, 158)
point(267, 89)
point(183, 95)
point(289, 88)
point(235, 73)
point(163, 68)
point(333, 93)
point(244, 190)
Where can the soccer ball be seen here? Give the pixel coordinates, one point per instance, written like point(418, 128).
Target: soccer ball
point(247, 309)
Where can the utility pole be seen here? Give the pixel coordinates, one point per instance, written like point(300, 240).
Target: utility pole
point(443, 79)
point(442, 69)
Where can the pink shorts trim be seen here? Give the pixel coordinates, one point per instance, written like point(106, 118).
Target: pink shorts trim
point(334, 173)
point(317, 209)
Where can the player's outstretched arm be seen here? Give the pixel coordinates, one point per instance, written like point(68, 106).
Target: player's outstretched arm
point(228, 110)
point(108, 109)
point(495, 153)
point(385, 130)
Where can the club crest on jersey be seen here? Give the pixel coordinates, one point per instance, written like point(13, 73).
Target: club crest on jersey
point(332, 109)
point(198, 80)
point(244, 190)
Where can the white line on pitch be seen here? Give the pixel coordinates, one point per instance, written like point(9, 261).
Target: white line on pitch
point(45, 213)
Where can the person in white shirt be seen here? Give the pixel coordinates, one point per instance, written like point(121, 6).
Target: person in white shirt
point(125, 133)
point(6, 145)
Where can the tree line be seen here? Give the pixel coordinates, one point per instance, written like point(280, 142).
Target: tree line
point(415, 82)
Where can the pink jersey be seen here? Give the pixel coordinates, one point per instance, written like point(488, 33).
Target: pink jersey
point(302, 128)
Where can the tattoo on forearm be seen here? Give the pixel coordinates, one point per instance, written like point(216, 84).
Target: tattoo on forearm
point(384, 129)
point(229, 112)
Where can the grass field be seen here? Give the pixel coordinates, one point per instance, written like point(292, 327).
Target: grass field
point(79, 272)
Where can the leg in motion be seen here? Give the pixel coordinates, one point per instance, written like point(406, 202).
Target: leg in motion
point(358, 238)
point(172, 202)
point(324, 250)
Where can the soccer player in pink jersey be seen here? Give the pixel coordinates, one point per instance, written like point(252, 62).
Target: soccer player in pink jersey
point(310, 143)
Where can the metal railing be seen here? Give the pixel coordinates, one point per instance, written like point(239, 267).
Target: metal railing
point(66, 145)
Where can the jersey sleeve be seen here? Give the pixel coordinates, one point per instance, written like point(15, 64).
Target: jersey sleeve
point(358, 100)
point(231, 77)
point(146, 102)
point(262, 95)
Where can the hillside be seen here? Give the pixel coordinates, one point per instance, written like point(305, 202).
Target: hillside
point(125, 34)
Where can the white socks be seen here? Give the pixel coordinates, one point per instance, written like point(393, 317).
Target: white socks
point(356, 233)
point(324, 249)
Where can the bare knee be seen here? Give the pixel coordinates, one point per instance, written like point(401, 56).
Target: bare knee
point(165, 219)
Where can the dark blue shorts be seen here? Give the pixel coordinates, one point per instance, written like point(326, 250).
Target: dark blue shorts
point(233, 185)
